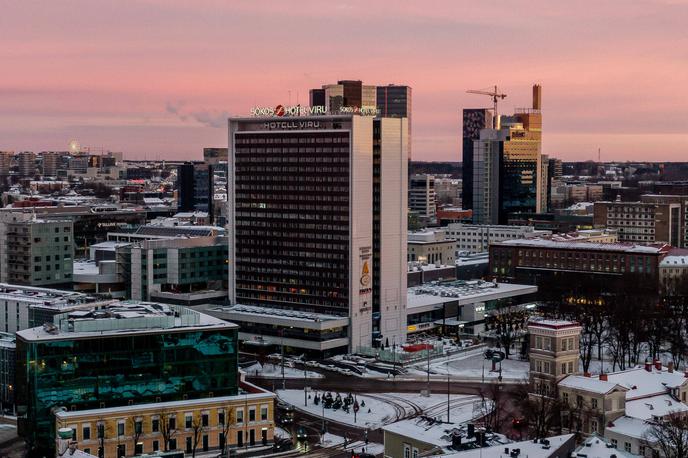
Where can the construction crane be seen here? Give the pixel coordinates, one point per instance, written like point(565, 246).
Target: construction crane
point(495, 94)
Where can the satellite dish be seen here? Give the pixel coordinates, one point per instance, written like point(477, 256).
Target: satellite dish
point(74, 146)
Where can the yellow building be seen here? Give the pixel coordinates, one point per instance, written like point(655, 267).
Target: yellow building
point(245, 420)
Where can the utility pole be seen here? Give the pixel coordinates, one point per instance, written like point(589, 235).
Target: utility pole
point(282, 357)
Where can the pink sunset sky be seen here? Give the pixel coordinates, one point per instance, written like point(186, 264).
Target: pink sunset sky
point(157, 78)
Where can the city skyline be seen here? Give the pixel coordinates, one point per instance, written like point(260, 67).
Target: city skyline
point(158, 79)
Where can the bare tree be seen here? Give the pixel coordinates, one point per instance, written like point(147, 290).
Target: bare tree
point(136, 429)
point(167, 430)
point(197, 429)
point(541, 410)
point(226, 424)
point(670, 436)
point(494, 403)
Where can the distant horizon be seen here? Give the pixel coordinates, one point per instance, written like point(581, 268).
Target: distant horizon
point(159, 78)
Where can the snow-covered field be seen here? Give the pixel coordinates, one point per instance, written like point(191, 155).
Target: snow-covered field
point(385, 408)
point(269, 370)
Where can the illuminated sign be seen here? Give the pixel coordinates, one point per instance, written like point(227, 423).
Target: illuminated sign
point(298, 110)
point(282, 125)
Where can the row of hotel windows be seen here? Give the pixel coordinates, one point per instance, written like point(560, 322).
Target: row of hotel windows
point(259, 150)
point(310, 168)
point(297, 216)
point(290, 197)
point(342, 178)
point(282, 275)
point(314, 157)
point(326, 234)
point(248, 140)
point(291, 188)
point(275, 206)
point(545, 343)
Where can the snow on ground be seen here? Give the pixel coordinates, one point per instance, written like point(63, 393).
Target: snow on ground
point(283, 433)
point(384, 408)
point(472, 367)
point(269, 370)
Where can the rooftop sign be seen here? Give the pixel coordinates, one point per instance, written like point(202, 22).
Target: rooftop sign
point(298, 110)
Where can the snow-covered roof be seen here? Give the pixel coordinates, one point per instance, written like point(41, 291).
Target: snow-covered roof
point(618, 247)
point(644, 383)
point(674, 261)
point(530, 449)
point(631, 427)
point(590, 384)
point(597, 446)
point(466, 292)
point(655, 406)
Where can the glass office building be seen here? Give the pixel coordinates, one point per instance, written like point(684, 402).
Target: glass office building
point(122, 354)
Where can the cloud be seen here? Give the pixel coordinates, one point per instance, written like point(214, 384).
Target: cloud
point(209, 118)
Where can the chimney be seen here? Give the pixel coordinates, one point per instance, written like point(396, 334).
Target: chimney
point(670, 367)
point(537, 97)
point(648, 365)
point(658, 365)
point(604, 378)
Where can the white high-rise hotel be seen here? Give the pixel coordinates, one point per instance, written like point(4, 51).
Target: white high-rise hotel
point(317, 229)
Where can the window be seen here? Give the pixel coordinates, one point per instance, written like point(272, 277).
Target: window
point(579, 401)
point(240, 415)
point(593, 402)
point(565, 398)
point(221, 418)
point(156, 446)
point(407, 451)
point(138, 448)
point(264, 413)
point(86, 433)
point(155, 425)
point(593, 426)
point(204, 419)
point(172, 444)
point(120, 429)
point(188, 421)
point(252, 414)
point(172, 423)
point(641, 450)
point(188, 445)
point(627, 447)
point(614, 443)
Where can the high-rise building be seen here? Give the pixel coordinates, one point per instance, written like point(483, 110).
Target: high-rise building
point(422, 199)
point(214, 155)
point(51, 162)
point(313, 202)
point(507, 166)
point(193, 187)
point(394, 101)
point(26, 161)
point(5, 163)
point(474, 120)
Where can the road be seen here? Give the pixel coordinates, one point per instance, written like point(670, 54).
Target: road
point(334, 381)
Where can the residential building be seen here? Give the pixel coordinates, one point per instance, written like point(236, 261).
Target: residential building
point(51, 163)
point(422, 199)
point(643, 222)
point(119, 354)
point(431, 246)
point(37, 252)
point(673, 272)
point(554, 353)
point(26, 164)
point(623, 406)
point(239, 421)
point(6, 158)
point(474, 121)
point(339, 202)
point(477, 238)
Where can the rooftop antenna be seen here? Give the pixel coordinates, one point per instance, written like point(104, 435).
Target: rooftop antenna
point(599, 154)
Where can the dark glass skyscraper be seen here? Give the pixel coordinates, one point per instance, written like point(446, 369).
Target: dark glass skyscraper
point(474, 119)
point(395, 102)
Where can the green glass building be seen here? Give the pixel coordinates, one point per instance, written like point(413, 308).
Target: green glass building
point(120, 354)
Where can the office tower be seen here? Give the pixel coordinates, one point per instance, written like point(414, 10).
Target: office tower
point(474, 120)
point(26, 161)
point(116, 355)
point(395, 102)
point(421, 198)
point(301, 228)
point(51, 162)
point(507, 167)
point(193, 187)
point(544, 183)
